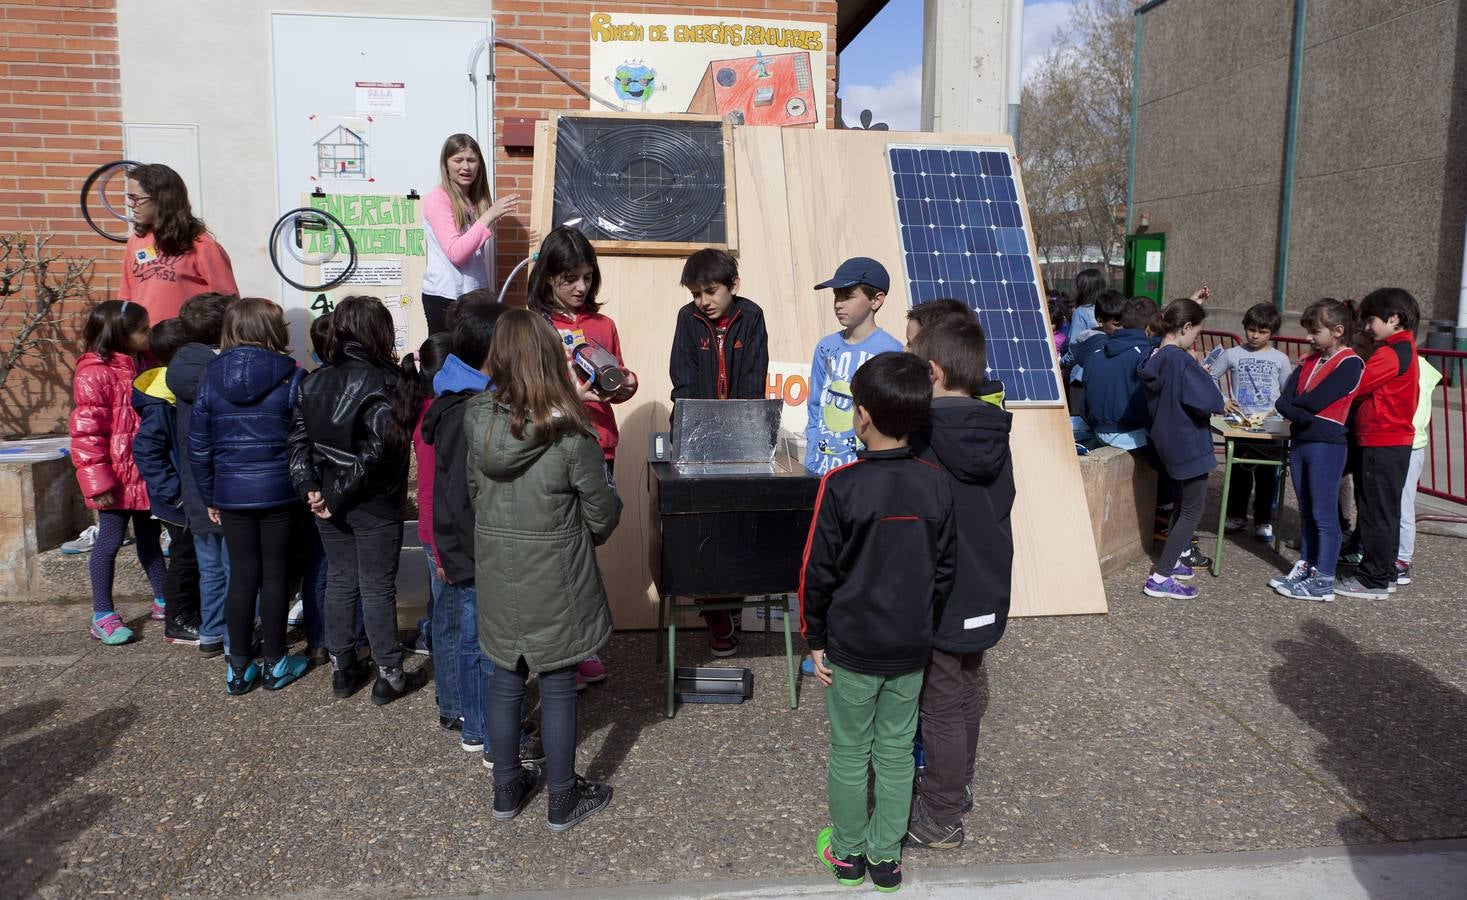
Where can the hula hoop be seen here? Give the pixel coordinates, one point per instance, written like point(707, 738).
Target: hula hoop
point(330, 221)
point(104, 174)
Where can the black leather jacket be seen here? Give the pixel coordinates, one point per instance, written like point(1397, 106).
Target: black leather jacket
point(338, 442)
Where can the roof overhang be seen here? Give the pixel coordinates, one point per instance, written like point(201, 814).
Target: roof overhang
point(851, 16)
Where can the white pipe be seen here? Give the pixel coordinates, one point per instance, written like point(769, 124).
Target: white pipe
point(1462, 295)
point(1016, 51)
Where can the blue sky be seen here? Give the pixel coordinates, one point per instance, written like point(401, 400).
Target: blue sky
point(882, 68)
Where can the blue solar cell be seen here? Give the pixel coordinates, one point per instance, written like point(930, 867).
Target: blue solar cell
point(964, 236)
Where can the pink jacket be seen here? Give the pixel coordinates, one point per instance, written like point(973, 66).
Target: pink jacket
point(427, 462)
point(103, 424)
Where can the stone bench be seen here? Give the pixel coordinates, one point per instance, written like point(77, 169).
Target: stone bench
point(40, 508)
point(1121, 495)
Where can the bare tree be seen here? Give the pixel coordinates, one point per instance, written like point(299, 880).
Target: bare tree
point(1076, 132)
point(34, 285)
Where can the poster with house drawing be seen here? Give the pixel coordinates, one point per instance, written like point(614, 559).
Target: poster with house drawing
point(341, 151)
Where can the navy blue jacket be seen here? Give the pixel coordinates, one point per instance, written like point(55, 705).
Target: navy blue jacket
point(185, 374)
point(155, 446)
point(1181, 398)
point(1114, 401)
point(237, 441)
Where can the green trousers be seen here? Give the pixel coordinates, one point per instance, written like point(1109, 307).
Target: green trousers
point(872, 721)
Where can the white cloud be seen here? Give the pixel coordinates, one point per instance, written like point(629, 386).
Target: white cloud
point(1042, 21)
point(898, 102)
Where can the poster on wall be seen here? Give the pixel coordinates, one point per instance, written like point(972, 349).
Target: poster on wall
point(387, 230)
point(750, 71)
point(340, 150)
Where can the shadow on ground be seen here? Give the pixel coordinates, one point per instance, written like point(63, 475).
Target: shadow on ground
point(37, 815)
point(1395, 734)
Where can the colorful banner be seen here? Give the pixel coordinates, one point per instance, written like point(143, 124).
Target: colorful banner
point(750, 71)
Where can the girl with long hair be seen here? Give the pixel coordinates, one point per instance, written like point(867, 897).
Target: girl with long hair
point(541, 506)
point(171, 256)
point(459, 212)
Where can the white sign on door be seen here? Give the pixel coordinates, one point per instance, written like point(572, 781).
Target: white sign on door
point(381, 98)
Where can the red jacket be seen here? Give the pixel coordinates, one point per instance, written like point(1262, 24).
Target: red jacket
point(103, 424)
point(1386, 402)
point(576, 328)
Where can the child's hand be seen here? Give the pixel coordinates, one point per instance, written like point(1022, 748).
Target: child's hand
point(817, 662)
point(1202, 294)
point(1231, 406)
point(628, 390)
point(214, 515)
point(104, 500)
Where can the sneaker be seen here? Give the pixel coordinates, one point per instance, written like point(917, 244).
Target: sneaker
point(318, 656)
point(240, 676)
point(1403, 572)
point(1159, 586)
point(580, 682)
point(160, 610)
point(297, 615)
point(886, 876)
point(1352, 558)
point(1317, 587)
point(922, 832)
point(1193, 557)
point(807, 666)
point(531, 748)
point(181, 630)
point(1234, 524)
point(210, 647)
point(470, 745)
point(393, 682)
point(592, 670)
point(722, 646)
point(848, 870)
point(967, 799)
point(585, 798)
point(111, 630)
point(450, 723)
point(82, 543)
point(1298, 573)
point(419, 645)
point(511, 799)
point(1263, 533)
point(1183, 572)
point(1351, 586)
point(285, 670)
point(348, 675)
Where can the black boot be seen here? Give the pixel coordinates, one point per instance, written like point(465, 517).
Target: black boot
point(347, 675)
point(392, 682)
point(181, 629)
point(569, 807)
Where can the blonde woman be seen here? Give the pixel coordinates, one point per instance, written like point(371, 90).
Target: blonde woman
point(460, 215)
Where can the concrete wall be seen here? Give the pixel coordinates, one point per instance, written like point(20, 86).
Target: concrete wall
point(1377, 197)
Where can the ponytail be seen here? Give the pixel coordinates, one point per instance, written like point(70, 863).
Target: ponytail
point(416, 383)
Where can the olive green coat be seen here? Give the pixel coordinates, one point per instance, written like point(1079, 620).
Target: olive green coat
point(539, 512)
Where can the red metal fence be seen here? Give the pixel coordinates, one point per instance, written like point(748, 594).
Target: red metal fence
point(1445, 473)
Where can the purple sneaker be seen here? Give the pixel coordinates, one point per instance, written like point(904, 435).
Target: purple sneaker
point(1183, 572)
point(1159, 586)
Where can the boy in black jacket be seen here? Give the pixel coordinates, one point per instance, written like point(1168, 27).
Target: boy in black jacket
point(968, 435)
point(878, 571)
point(720, 351)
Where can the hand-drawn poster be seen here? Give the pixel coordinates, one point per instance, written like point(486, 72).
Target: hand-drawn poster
point(750, 71)
point(341, 151)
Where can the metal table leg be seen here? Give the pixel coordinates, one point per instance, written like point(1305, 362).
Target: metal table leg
point(1222, 512)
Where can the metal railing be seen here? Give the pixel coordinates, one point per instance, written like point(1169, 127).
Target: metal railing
point(1444, 475)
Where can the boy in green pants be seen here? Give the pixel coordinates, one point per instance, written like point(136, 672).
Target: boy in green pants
point(878, 569)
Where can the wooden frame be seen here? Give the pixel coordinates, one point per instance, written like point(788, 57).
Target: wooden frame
point(543, 209)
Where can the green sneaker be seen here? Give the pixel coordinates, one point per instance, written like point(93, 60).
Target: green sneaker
point(848, 870)
point(887, 876)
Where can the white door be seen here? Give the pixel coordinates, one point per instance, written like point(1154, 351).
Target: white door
point(363, 103)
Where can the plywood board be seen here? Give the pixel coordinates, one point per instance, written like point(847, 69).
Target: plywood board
point(806, 201)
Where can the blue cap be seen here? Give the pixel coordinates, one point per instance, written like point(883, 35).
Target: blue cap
point(858, 270)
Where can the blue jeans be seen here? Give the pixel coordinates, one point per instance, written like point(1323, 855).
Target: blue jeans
point(213, 586)
point(475, 671)
point(444, 615)
point(1317, 469)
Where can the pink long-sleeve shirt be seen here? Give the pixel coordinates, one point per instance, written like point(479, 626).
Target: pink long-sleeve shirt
point(457, 262)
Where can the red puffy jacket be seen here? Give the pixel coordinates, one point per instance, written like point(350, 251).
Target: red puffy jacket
point(103, 424)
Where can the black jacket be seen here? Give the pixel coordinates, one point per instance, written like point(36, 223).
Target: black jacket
point(453, 513)
point(185, 374)
point(338, 438)
point(969, 438)
point(1114, 398)
point(879, 562)
point(696, 363)
point(237, 435)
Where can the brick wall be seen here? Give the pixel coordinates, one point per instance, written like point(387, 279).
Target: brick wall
point(60, 118)
point(559, 31)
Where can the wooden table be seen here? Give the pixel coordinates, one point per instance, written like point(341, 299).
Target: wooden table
point(1274, 433)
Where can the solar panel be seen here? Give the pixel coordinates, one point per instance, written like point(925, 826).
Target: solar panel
point(964, 236)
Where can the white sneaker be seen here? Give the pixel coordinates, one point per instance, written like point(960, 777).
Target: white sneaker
point(83, 542)
point(1231, 525)
point(297, 614)
point(1263, 532)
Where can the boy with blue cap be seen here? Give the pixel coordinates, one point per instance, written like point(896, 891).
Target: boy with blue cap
point(860, 285)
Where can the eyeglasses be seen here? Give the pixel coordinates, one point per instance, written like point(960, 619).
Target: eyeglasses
point(137, 199)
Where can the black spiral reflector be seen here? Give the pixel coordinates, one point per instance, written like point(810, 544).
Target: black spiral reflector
point(289, 226)
point(101, 178)
point(643, 181)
